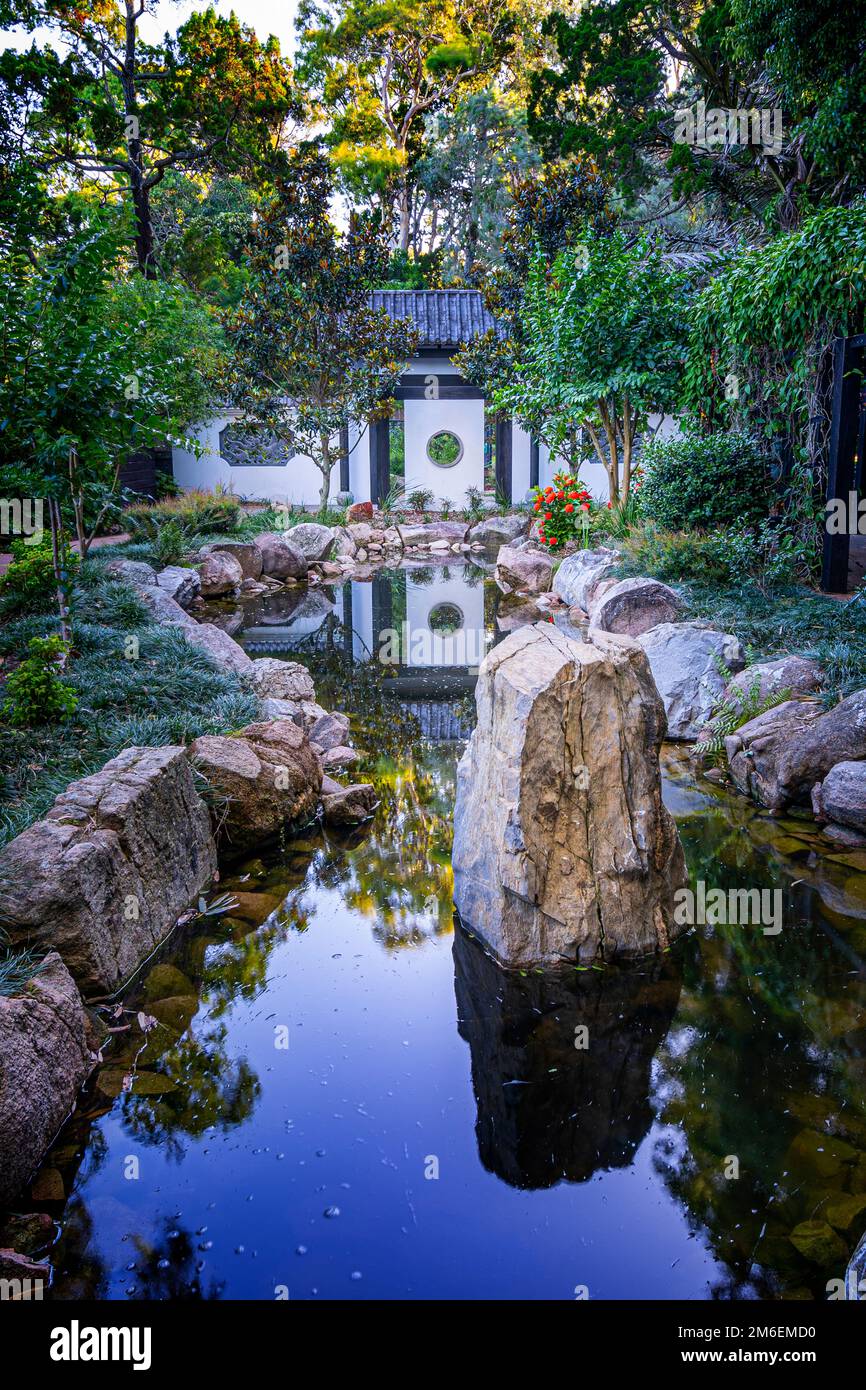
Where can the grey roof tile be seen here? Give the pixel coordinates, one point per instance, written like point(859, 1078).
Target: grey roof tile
point(444, 318)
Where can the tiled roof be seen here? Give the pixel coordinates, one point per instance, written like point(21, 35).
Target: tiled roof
point(445, 318)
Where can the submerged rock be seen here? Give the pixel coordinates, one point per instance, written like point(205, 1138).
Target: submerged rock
point(428, 533)
point(105, 876)
point(562, 846)
point(44, 1061)
point(219, 573)
point(347, 805)
point(841, 797)
point(262, 778)
point(273, 679)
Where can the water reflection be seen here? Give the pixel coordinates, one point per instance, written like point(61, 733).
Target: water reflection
point(555, 1102)
point(734, 1046)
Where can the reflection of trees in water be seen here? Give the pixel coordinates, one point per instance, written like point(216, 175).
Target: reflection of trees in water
point(173, 1267)
point(77, 1253)
point(548, 1110)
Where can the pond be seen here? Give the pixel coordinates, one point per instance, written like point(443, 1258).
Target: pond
point(345, 1098)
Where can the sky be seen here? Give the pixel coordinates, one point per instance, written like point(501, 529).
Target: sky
point(265, 16)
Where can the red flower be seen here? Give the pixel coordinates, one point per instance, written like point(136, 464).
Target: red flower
point(548, 516)
point(574, 496)
point(552, 540)
point(569, 506)
point(559, 496)
point(584, 506)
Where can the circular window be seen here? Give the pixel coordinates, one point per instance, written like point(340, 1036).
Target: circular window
point(445, 619)
point(444, 449)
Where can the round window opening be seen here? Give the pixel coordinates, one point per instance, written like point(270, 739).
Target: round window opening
point(445, 619)
point(444, 449)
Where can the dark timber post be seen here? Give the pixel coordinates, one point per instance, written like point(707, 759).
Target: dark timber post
point(380, 460)
point(843, 467)
point(344, 458)
point(504, 434)
point(533, 462)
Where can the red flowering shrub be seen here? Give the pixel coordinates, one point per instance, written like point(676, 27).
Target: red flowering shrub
point(562, 509)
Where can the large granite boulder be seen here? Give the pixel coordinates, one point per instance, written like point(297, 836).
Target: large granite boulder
point(219, 574)
point(563, 849)
point(281, 680)
point(758, 751)
point(523, 571)
point(841, 797)
point(801, 757)
point(685, 659)
point(426, 534)
point(181, 583)
point(281, 559)
point(796, 674)
point(247, 554)
point(262, 778)
point(223, 650)
point(44, 1060)
point(633, 606)
point(105, 876)
point(162, 607)
point(312, 539)
point(495, 531)
point(135, 572)
point(579, 575)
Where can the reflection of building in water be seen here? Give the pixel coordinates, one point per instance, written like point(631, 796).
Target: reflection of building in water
point(548, 1109)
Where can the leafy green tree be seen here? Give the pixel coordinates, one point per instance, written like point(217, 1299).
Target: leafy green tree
point(379, 70)
point(309, 353)
point(105, 105)
point(93, 366)
point(475, 151)
point(604, 340)
point(623, 69)
point(200, 233)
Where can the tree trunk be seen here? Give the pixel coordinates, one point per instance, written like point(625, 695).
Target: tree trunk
point(61, 574)
point(144, 249)
point(325, 466)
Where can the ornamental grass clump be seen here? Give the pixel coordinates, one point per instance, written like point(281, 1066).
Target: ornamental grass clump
point(563, 510)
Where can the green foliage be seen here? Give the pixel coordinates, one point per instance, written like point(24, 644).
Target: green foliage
point(17, 969)
point(604, 334)
point(420, 498)
point(29, 584)
point(731, 714)
point(35, 693)
point(309, 353)
point(474, 503)
point(703, 481)
point(675, 556)
point(170, 543)
point(208, 513)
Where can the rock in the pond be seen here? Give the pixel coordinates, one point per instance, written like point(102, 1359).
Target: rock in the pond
point(44, 1061)
point(329, 731)
point(247, 554)
point(180, 582)
point(523, 571)
point(756, 751)
point(579, 575)
point(496, 531)
point(633, 606)
point(347, 805)
point(562, 846)
point(796, 674)
point(427, 533)
point(685, 660)
point(280, 559)
point(841, 797)
point(223, 650)
point(312, 539)
point(105, 876)
point(344, 545)
point(339, 756)
point(778, 762)
point(819, 1243)
point(262, 778)
point(281, 680)
point(219, 574)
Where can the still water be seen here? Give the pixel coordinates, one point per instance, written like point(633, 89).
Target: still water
point(345, 1098)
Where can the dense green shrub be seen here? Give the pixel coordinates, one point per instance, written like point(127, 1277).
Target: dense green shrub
point(675, 556)
point(206, 512)
point(29, 584)
point(705, 481)
point(35, 692)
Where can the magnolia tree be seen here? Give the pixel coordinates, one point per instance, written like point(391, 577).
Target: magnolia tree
point(603, 340)
point(309, 354)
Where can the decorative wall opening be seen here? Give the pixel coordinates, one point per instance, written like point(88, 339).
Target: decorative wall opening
point(245, 446)
point(445, 449)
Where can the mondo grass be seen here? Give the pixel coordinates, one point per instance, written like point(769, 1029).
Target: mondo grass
point(169, 693)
